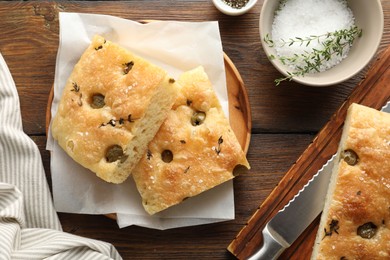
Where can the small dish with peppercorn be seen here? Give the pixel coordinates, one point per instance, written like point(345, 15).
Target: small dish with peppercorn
point(234, 7)
point(320, 43)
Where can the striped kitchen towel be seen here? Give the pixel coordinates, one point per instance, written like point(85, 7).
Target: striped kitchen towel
point(29, 225)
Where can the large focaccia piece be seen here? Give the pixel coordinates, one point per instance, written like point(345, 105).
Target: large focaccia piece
point(194, 150)
point(355, 223)
point(111, 107)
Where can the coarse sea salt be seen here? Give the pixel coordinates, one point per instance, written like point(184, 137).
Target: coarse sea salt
point(305, 18)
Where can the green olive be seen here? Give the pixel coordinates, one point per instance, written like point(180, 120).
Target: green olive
point(367, 230)
point(115, 153)
point(239, 169)
point(198, 118)
point(350, 157)
point(171, 80)
point(97, 101)
point(167, 156)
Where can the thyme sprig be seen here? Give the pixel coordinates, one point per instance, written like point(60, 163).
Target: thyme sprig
point(333, 227)
point(332, 43)
point(121, 121)
point(218, 148)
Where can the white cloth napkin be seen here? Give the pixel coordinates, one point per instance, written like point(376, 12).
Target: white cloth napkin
point(29, 226)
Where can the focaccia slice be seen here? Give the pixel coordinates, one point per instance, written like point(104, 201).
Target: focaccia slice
point(111, 107)
point(355, 223)
point(194, 150)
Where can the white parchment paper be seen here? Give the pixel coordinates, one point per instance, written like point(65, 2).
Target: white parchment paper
point(175, 46)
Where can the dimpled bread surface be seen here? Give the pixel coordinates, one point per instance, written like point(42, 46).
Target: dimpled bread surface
point(194, 150)
point(111, 107)
point(355, 223)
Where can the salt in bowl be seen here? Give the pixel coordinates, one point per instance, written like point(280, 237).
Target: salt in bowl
point(368, 17)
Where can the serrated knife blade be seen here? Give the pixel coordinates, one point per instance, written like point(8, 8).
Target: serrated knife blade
point(288, 224)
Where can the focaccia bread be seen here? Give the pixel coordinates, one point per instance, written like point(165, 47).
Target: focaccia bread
point(355, 223)
point(111, 107)
point(194, 150)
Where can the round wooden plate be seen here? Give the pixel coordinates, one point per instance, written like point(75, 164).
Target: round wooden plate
point(239, 108)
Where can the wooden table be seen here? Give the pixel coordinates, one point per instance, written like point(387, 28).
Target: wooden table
point(285, 119)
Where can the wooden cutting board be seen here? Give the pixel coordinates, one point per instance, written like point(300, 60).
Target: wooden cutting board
point(373, 91)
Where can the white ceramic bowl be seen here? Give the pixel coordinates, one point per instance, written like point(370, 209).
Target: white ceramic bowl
point(226, 9)
point(368, 17)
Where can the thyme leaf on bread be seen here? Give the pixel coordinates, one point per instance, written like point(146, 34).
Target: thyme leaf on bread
point(112, 122)
point(128, 66)
point(121, 121)
point(333, 227)
point(100, 46)
point(218, 148)
point(80, 101)
point(149, 154)
point(76, 88)
point(130, 119)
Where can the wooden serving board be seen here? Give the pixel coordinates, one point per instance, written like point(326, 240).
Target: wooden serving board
point(373, 91)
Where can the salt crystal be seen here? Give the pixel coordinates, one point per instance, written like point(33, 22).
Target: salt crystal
point(305, 18)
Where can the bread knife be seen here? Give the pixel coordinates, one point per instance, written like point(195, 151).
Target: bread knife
point(288, 224)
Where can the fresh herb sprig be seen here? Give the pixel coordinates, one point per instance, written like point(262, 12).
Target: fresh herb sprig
point(333, 43)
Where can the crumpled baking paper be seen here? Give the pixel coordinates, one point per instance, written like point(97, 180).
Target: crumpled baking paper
point(175, 46)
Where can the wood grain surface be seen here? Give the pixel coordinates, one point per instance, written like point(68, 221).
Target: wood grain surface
point(285, 119)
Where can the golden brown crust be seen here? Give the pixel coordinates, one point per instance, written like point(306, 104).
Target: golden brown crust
point(137, 96)
point(359, 195)
point(204, 155)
